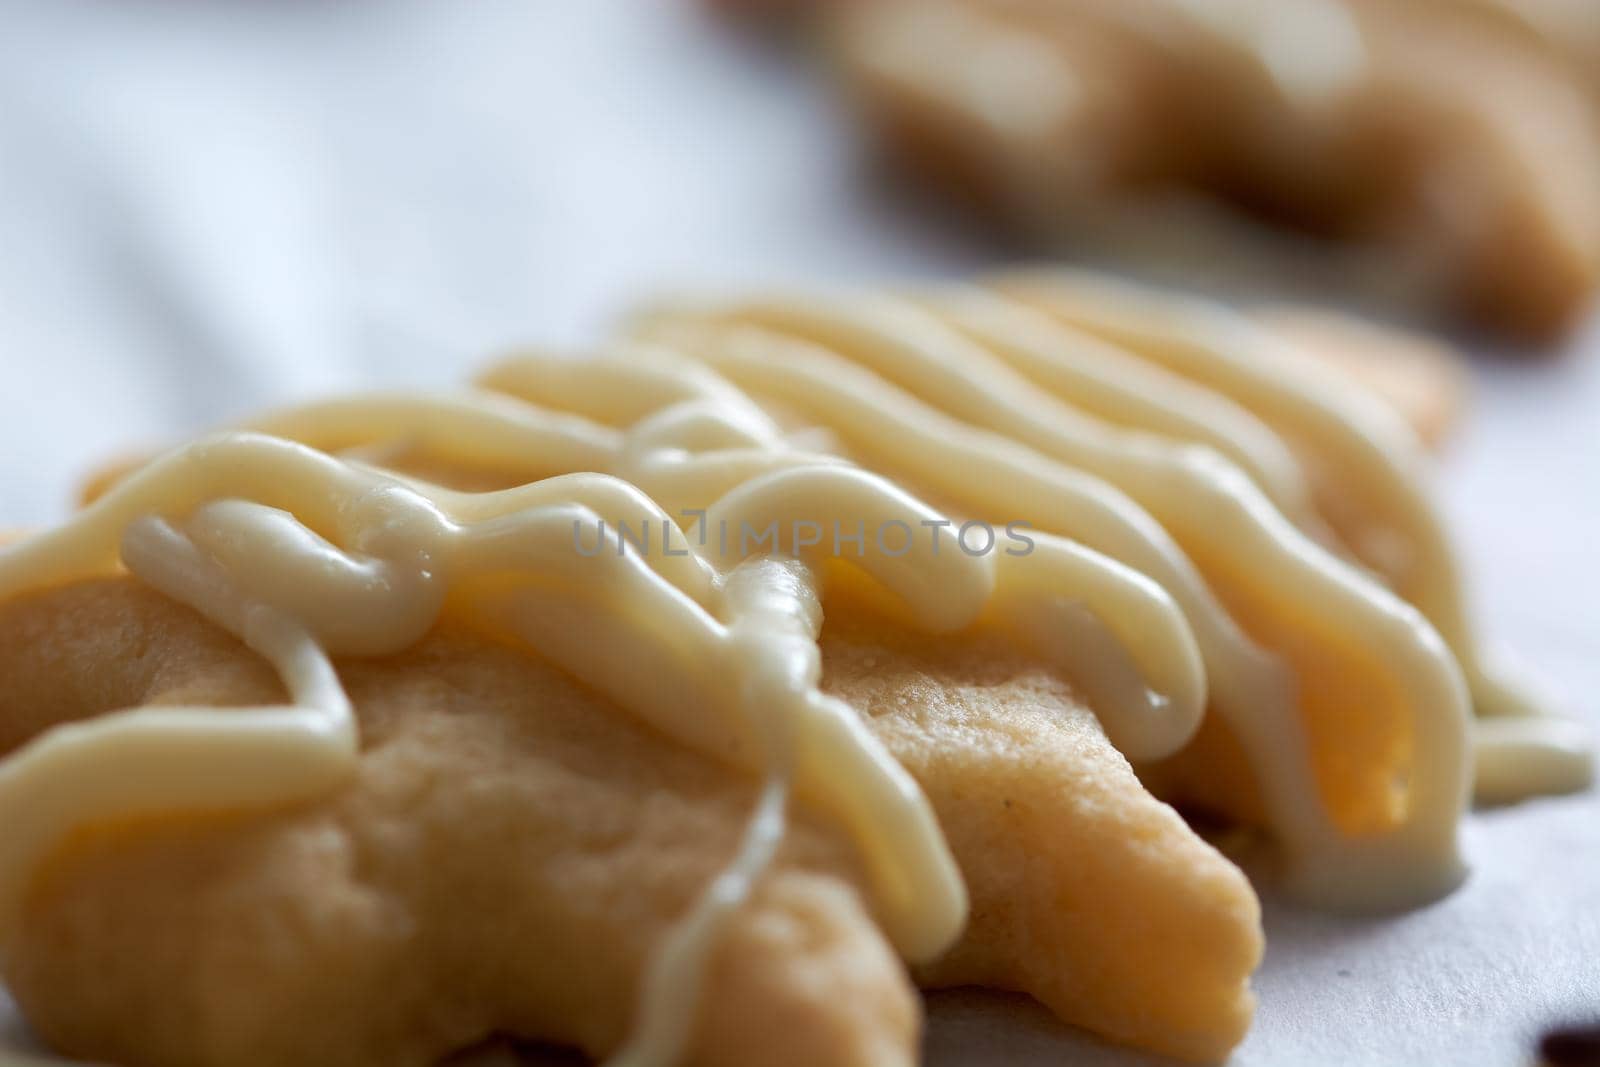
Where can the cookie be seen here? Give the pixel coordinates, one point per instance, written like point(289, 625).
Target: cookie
point(1457, 158)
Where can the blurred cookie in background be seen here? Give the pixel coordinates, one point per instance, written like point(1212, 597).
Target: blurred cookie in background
point(1444, 150)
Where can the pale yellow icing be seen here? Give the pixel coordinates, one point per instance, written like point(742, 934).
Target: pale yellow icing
point(1152, 708)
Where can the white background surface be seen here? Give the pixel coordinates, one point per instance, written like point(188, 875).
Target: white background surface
point(208, 209)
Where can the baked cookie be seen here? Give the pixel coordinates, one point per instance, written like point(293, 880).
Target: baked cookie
point(693, 699)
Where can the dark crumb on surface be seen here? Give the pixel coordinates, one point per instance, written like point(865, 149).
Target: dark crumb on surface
point(1573, 1045)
